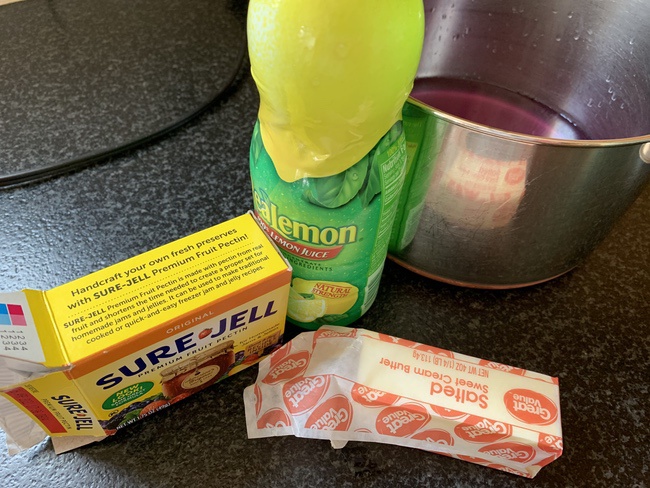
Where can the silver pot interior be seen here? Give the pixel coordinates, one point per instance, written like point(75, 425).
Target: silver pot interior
point(587, 60)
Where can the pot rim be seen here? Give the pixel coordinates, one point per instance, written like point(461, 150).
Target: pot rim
point(527, 138)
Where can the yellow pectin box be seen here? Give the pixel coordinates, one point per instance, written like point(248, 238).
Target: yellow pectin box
point(98, 353)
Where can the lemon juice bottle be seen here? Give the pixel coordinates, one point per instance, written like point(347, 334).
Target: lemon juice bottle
point(327, 155)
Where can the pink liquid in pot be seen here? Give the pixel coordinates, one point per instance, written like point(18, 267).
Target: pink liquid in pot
point(495, 107)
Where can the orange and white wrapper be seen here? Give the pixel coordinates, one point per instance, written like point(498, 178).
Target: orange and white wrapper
point(344, 384)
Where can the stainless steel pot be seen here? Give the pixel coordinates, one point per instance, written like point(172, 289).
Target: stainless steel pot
point(553, 200)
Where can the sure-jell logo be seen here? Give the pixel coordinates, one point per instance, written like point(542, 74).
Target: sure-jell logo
point(273, 418)
point(302, 394)
point(369, 397)
point(335, 413)
point(403, 420)
point(530, 406)
point(512, 451)
point(289, 367)
point(482, 430)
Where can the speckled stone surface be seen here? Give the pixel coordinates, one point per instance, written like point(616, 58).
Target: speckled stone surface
point(588, 327)
point(119, 70)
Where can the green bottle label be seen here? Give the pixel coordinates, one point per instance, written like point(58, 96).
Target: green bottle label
point(333, 230)
point(422, 146)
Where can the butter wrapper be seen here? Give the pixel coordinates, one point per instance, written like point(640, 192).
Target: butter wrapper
point(344, 384)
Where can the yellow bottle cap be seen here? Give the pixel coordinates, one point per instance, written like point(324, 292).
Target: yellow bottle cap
point(332, 75)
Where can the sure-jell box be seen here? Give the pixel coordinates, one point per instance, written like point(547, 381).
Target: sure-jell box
point(345, 384)
point(82, 360)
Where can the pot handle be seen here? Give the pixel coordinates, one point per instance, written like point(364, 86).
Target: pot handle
point(644, 153)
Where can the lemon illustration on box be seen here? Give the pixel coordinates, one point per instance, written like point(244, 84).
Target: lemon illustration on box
point(327, 155)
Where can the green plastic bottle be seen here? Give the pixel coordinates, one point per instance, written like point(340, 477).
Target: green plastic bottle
point(328, 152)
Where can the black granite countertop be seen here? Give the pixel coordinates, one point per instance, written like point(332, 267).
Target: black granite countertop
point(588, 327)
